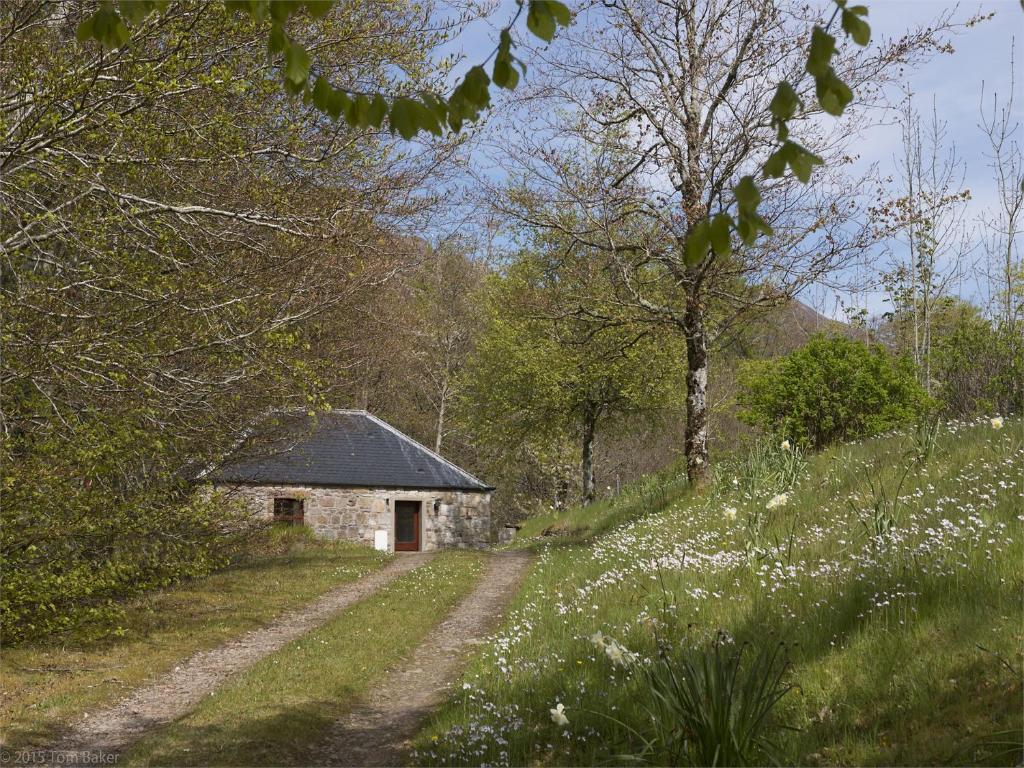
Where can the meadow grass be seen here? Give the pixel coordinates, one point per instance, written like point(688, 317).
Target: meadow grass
point(279, 711)
point(45, 686)
point(904, 636)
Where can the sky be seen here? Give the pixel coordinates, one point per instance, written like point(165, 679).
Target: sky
point(952, 82)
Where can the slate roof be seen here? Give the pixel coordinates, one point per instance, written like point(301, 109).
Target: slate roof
point(350, 449)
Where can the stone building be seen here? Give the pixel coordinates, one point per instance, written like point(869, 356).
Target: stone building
point(348, 475)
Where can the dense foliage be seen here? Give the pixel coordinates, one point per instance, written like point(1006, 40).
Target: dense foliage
point(172, 229)
point(556, 361)
point(978, 363)
point(830, 390)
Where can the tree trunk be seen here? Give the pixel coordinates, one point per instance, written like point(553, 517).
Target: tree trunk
point(562, 490)
point(696, 439)
point(440, 425)
point(587, 464)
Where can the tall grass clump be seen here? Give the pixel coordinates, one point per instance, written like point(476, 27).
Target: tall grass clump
point(715, 704)
point(767, 464)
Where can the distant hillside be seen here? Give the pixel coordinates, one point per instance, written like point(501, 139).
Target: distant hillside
point(783, 329)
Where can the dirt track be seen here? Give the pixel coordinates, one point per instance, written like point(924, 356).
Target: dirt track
point(176, 693)
point(379, 729)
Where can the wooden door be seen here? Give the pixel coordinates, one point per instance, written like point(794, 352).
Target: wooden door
point(407, 526)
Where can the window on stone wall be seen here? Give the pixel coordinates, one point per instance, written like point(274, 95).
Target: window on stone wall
point(288, 511)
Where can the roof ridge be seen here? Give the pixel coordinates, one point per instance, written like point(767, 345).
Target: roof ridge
point(421, 446)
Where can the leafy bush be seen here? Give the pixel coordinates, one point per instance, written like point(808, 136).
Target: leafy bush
point(829, 390)
point(73, 552)
point(979, 365)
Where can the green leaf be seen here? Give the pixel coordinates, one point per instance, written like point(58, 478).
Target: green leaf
point(105, 26)
point(561, 12)
point(833, 93)
point(280, 10)
point(697, 242)
point(748, 222)
point(360, 111)
point(432, 118)
point(341, 105)
point(433, 115)
point(85, 29)
point(135, 11)
point(402, 118)
point(504, 74)
point(469, 97)
point(748, 197)
point(855, 26)
point(540, 21)
point(775, 165)
point(476, 83)
point(823, 46)
point(784, 102)
point(377, 111)
point(277, 41)
point(796, 157)
point(544, 17)
point(322, 94)
point(318, 8)
point(802, 162)
point(721, 242)
point(296, 64)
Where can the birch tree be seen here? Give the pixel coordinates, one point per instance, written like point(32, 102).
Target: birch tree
point(1002, 225)
point(927, 221)
point(662, 114)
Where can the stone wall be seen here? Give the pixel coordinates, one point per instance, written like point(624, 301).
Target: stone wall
point(461, 518)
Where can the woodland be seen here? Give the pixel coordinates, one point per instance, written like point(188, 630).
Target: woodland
point(564, 282)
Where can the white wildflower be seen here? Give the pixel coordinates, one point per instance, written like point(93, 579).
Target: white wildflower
point(558, 715)
point(617, 653)
point(614, 651)
point(777, 500)
point(996, 422)
point(786, 446)
point(598, 639)
point(730, 513)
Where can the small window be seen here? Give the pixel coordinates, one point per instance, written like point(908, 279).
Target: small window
point(288, 511)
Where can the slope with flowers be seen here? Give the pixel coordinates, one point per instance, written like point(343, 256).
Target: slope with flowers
point(886, 575)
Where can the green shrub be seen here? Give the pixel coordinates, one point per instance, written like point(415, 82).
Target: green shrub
point(978, 365)
point(831, 389)
point(73, 553)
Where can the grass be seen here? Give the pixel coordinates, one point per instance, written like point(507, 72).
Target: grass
point(905, 645)
point(279, 711)
point(577, 525)
point(46, 686)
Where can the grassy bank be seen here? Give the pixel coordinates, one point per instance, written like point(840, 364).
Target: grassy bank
point(45, 686)
point(278, 712)
point(890, 570)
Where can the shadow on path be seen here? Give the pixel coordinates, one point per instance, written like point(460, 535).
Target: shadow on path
point(111, 730)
